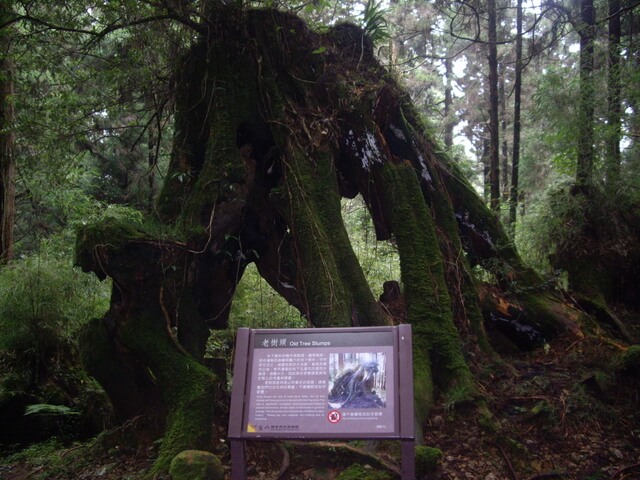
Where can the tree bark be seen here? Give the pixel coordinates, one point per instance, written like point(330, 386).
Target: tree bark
point(486, 167)
point(448, 104)
point(504, 123)
point(494, 125)
point(7, 138)
point(140, 338)
point(614, 98)
point(517, 94)
point(584, 170)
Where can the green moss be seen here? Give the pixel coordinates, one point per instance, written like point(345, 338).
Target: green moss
point(426, 292)
point(361, 472)
point(486, 420)
point(422, 381)
point(544, 312)
point(110, 232)
point(359, 299)
point(188, 388)
point(462, 286)
point(196, 465)
point(629, 361)
point(427, 460)
point(325, 293)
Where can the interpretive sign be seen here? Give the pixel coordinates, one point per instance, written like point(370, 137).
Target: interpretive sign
point(322, 383)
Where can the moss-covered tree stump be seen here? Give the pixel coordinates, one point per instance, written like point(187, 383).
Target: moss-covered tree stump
point(274, 123)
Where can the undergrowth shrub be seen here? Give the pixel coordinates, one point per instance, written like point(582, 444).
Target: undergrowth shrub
point(590, 240)
point(43, 389)
point(43, 301)
point(560, 221)
point(544, 229)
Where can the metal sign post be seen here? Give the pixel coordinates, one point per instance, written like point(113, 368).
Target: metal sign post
point(322, 383)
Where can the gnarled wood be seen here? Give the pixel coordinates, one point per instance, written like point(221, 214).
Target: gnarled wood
point(274, 123)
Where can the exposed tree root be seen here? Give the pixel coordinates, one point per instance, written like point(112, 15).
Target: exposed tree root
point(353, 453)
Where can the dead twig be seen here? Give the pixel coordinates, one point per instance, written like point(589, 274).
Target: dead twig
point(574, 344)
point(624, 470)
point(514, 476)
point(66, 452)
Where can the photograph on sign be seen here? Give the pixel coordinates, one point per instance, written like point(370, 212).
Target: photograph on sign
point(357, 380)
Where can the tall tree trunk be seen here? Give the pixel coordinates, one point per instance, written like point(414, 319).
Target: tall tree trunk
point(448, 104)
point(586, 27)
point(7, 138)
point(494, 125)
point(633, 63)
point(486, 167)
point(504, 152)
point(614, 97)
point(517, 93)
point(153, 148)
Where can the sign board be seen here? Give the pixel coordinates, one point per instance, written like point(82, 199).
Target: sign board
point(322, 383)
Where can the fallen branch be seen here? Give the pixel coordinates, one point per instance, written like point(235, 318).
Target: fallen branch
point(286, 462)
point(625, 470)
point(358, 452)
point(514, 476)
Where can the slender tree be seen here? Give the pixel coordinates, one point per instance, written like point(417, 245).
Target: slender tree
point(494, 125)
point(448, 104)
point(504, 125)
point(586, 154)
point(613, 157)
point(7, 136)
point(517, 94)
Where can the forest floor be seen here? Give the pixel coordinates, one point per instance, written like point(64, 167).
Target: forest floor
point(555, 413)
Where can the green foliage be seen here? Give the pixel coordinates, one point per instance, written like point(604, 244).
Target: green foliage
point(363, 472)
point(37, 454)
point(629, 361)
point(459, 394)
point(550, 225)
point(373, 22)
point(556, 118)
point(379, 260)
point(257, 305)
point(48, 409)
point(554, 110)
point(220, 344)
point(91, 123)
point(46, 462)
point(559, 222)
point(43, 301)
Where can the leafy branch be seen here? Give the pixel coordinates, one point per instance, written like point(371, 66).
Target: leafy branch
point(373, 23)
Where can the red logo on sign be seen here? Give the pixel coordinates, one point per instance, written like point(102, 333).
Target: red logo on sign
point(334, 416)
